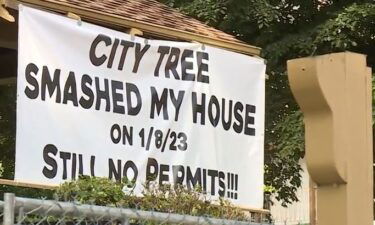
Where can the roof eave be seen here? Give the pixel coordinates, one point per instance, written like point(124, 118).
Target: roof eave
point(156, 30)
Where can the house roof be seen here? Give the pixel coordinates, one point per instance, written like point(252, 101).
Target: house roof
point(150, 16)
point(152, 11)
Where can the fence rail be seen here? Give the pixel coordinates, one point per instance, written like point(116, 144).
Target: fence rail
point(16, 210)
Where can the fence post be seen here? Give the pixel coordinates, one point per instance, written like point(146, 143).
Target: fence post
point(125, 222)
point(9, 202)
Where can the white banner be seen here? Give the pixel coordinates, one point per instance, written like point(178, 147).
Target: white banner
point(99, 102)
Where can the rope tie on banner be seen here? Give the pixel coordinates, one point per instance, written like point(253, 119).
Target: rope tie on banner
point(4, 12)
point(203, 46)
point(74, 17)
point(135, 32)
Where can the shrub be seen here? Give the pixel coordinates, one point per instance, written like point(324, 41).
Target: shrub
point(166, 198)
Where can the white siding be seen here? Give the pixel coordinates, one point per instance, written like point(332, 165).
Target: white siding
point(296, 213)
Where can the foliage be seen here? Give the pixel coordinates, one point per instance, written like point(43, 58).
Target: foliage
point(7, 128)
point(285, 30)
point(289, 149)
point(349, 27)
point(97, 191)
point(101, 191)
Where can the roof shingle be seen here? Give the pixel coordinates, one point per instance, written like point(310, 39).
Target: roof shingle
point(154, 12)
point(152, 17)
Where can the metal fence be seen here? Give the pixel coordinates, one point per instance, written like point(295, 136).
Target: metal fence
point(26, 211)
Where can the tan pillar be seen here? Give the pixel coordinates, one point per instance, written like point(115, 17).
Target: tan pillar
point(334, 93)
